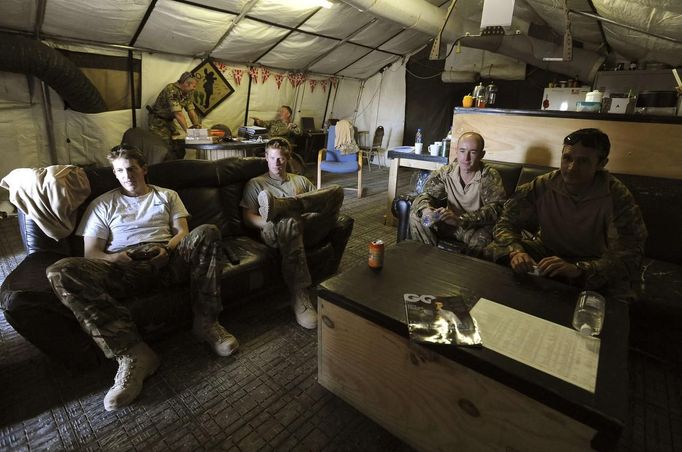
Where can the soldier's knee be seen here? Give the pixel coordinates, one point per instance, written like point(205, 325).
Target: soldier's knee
point(209, 232)
point(62, 267)
point(288, 228)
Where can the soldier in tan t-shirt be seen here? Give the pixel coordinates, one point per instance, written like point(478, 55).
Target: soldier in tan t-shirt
point(467, 195)
point(291, 215)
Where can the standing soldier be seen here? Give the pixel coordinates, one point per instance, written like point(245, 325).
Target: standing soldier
point(169, 105)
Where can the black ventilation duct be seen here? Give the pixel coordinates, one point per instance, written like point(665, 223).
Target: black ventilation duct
point(31, 57)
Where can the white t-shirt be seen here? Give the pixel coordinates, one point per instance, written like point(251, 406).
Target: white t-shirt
point(124, 221)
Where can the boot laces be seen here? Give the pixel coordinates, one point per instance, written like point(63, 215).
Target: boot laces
point(126, 365)
point(217, 333)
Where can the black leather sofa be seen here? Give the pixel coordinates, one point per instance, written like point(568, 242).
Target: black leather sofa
point(211, 191)
point(660, 304)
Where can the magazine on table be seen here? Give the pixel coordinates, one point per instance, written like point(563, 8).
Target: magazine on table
point(441, 319)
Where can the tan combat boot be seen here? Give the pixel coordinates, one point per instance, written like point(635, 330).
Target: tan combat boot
point(217, 337)
point(138, 363)
point(304, 308)
point(272, 207)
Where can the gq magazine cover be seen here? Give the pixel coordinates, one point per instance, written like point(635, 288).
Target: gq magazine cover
point(441, 319)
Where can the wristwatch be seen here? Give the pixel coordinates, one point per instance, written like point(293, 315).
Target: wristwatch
point(584, 267)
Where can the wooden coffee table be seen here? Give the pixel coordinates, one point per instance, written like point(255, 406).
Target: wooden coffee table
point(455, 398)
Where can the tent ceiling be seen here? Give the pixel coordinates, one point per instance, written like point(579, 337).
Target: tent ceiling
point(662, 17)
point(282, 34)
point(342, 40)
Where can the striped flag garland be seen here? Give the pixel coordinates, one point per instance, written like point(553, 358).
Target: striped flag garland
point(296, 78)
point(323, 84)
point(237, 75)
point(253, 72)
point(312, 83)
point(264, 74)
point(279, 77)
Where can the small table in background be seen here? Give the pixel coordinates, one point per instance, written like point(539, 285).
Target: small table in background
point(217, 151)
point(408, 160)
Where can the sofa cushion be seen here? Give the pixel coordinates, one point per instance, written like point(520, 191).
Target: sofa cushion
point(509, 172)
point(530, 172)
point(659, 200)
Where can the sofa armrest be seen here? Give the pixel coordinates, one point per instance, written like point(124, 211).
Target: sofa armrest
point(339, 236)
point(401, 210)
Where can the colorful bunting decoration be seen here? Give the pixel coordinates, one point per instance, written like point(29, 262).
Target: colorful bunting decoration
point(264, 74)
point(253, 72)
point(279, 77)
point(237, 75)
point(296, 78)
point(221, 66)
point(333, 81)
point(323, 84)
point(312, 83)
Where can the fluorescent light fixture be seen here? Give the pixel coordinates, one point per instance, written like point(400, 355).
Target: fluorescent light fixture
point(320, 3)
point(497, 13)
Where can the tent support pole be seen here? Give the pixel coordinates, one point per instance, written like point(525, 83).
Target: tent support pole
point(326, 106)
point(49, 121)
point(131, 77)
point(248, 101)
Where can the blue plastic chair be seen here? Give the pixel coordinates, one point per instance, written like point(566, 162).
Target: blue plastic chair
point(330, 160)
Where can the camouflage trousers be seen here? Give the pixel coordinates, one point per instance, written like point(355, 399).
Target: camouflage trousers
point(292, 235)
point(165, 128)
point(474, 239)
point(92, 288)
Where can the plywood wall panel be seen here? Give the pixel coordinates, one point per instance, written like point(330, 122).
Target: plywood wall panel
point(651, 149)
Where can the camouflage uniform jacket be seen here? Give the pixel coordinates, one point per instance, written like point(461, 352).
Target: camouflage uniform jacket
point(622, 233)
point(492, 195)
point(171, 100)
point(278, 128)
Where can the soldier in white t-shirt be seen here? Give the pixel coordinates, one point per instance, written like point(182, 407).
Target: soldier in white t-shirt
point(137, 240)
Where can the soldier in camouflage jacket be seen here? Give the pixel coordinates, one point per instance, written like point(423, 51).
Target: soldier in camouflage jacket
point(467, 195)
point(586, 227)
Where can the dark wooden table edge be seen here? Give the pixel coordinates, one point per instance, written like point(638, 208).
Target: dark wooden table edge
point(413, 156)
point(608, 428)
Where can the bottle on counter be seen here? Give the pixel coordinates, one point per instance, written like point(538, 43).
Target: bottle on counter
point(491, 93)
point(418, 142)
point(588, 316)
point(478, 90)
point(479, 96)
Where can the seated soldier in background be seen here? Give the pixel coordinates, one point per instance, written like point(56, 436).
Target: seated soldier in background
point(137, 240)
point(588, 229)
point(281, 126)
point(291, 216)
point(460, 201)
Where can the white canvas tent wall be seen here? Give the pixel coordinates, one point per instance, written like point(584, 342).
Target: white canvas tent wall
point(353, 40)
point(172, 36)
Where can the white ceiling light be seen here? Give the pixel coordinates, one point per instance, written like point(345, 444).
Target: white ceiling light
point(323, 3)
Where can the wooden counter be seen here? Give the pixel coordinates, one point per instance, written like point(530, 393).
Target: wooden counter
point(640, 144)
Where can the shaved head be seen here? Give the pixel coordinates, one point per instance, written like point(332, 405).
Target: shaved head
point(473, 135)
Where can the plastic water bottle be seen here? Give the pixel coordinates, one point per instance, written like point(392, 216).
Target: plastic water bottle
point(588, 316)
point(430, 219)
point(418, 138)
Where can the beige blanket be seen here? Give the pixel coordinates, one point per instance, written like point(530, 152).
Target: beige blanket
point(344, 137)
point(49, 196)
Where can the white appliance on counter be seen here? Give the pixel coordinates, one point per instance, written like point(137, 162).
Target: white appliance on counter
point(563, 99)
